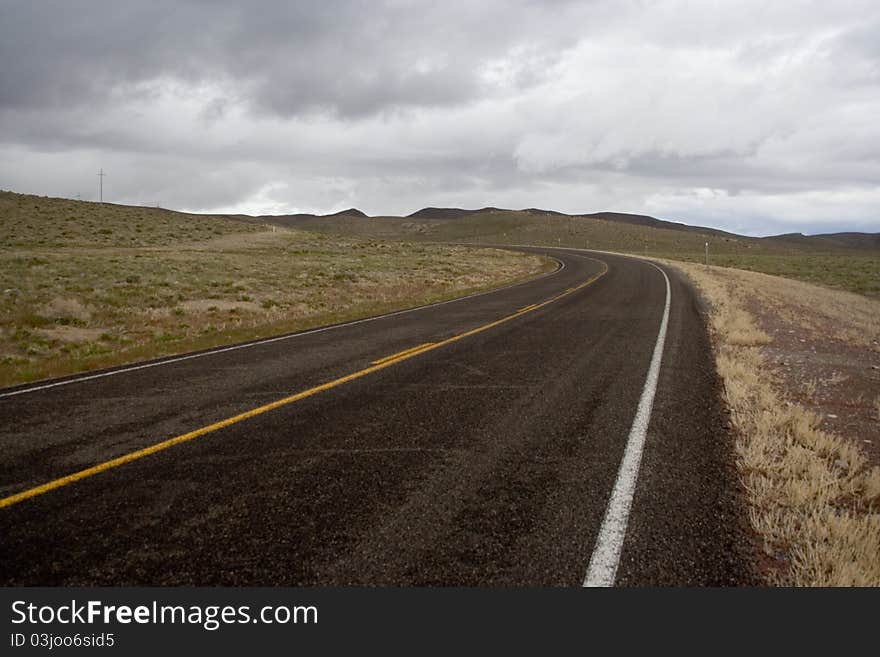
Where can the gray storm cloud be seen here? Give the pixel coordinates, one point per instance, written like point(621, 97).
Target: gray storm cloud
point(753, 116)
point(286, 58)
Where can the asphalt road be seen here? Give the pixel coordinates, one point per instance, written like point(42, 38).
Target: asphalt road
point(487, 459)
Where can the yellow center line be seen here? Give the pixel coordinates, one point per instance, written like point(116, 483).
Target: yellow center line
point(192, 435)
point(526, 309)
point(401, 354)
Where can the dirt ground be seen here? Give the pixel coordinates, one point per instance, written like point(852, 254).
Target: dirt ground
point(836, 380)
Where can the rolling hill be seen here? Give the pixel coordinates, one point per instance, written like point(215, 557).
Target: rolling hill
point(848, 261)
point(608, 230)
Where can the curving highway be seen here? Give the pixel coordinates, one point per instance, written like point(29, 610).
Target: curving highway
point(478, 442)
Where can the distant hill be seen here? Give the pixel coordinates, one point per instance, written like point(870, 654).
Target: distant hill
point(860, 241)
point(351, 212)
point(433, 213)
point(538, 211)
point(295, 219)
point(439, 213)
point(652, 222)
point(449, 213)
point(615, 231)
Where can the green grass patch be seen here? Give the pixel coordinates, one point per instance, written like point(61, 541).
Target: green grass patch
point(853, 273)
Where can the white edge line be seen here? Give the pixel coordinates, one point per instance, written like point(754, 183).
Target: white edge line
point(602, 570)
point(247, 345)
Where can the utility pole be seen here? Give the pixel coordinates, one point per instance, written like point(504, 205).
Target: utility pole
point(707, 254)
point(101, 175)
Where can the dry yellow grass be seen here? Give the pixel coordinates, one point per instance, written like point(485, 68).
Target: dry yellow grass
point(836, 379)
point(849, 317)
point(813, 499)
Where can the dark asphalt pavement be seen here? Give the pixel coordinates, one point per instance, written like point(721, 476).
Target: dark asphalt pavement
point(486, 461)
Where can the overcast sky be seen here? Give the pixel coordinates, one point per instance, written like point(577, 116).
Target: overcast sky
point(756, 117)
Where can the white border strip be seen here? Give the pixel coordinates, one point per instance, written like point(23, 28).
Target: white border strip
point(247, 345)
point(606, 554)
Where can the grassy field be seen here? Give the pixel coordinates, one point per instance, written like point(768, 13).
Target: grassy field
point(859, 273)
point(84, 285)
point(855, 270)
